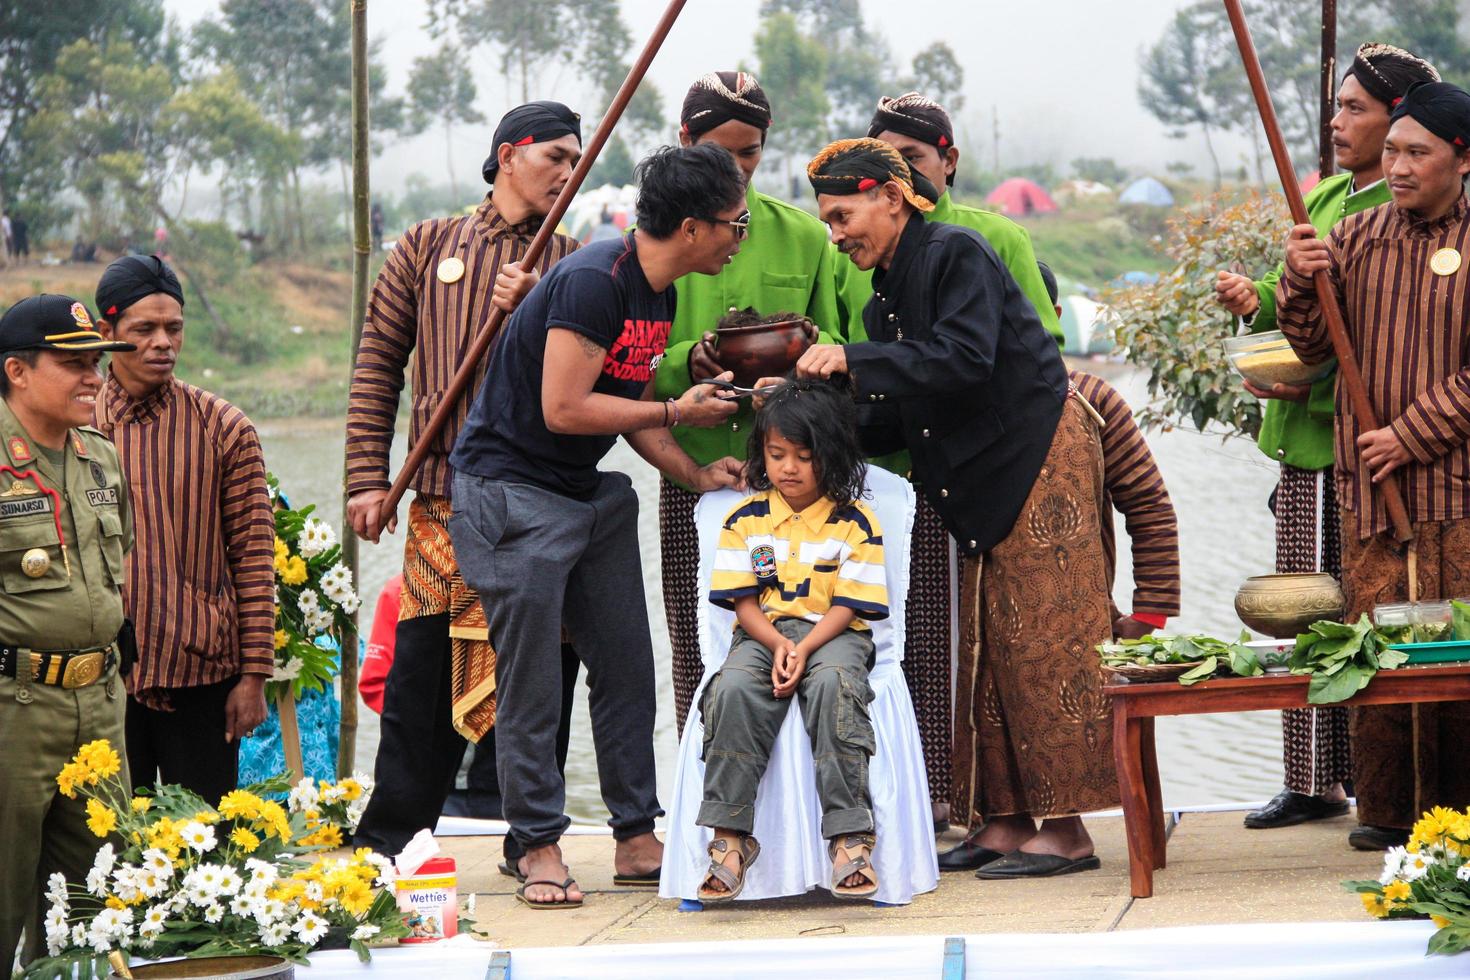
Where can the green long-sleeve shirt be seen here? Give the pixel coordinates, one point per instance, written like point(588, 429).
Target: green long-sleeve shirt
point(1010, 241)
point(1300, 433)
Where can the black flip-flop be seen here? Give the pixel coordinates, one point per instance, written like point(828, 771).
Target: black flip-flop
point(648, 879)
point(1020, 864)
point(565, 903)
point(511, 871)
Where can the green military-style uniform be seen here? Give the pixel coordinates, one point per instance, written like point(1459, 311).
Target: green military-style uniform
point(784, 265)
point(65, 527)
point(1300, 433)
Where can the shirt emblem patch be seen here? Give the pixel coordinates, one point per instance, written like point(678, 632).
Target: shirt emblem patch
point(98, 474)
point(763, 561)
point(25, 507)
point(107, 495)
point(20, 451)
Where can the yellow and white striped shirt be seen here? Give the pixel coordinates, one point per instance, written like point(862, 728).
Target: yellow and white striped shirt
point(802, 564)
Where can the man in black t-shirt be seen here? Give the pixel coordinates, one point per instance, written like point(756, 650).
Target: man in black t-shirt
point(547, 540)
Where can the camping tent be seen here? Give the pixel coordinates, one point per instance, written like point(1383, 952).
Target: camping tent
point(1017, 195)
point(1147, 191)
point(1082, 190)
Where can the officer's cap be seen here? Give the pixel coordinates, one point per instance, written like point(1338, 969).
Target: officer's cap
point(52, 322)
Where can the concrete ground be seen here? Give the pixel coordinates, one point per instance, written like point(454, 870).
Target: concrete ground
point(1218, 872)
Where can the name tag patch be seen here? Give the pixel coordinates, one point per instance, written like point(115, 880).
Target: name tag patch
point(107, 495)
point(23, 508)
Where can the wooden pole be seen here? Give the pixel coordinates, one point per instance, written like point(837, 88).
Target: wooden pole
point(476, 353)
point(361, 251)
point(1326, 154)
point(1347, 362)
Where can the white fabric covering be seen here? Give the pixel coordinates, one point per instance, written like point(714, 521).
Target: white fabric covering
point(793, 858)
point(1363, 950)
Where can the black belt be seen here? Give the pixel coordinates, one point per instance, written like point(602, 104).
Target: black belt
point(61, 668)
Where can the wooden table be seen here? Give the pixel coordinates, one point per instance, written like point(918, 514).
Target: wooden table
point(1135, 706)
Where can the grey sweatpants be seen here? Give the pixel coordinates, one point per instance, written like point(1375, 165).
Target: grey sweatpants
point(742, 719)
point(538, 561)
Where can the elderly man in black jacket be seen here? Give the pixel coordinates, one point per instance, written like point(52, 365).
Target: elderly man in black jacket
point(960, 372)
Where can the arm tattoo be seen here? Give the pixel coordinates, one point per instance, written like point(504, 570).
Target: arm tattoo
point(589, 346)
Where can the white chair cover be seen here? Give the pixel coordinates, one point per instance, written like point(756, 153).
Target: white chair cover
point(793, 858)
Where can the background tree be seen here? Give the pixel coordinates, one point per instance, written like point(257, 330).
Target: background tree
point(859, 64)
point(1104, 170)
point(1175, 86)
point(939, 75)
point(792, 70)
point(440, 89)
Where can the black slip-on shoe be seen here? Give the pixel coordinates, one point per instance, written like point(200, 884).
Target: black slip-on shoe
point(1366, 837)
point(966, 856)
point(1288, 808)
point(1019, 864)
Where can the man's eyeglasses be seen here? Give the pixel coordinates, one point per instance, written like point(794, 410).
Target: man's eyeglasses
point(740, 224)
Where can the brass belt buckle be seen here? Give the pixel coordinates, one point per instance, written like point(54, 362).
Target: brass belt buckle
point(82, 670)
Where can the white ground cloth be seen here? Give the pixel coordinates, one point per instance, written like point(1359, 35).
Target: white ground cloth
point(793, 857)
point(1279, 951)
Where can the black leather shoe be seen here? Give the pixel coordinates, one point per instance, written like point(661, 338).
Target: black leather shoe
point(1366, 837)
point(1288, 808)
point(966, 856)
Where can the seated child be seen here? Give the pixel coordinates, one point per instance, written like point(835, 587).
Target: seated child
point(801, 563)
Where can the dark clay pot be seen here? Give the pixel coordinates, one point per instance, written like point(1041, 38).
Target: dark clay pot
point(763, 350)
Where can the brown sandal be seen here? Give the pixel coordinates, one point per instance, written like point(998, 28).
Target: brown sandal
point(733, 881)
point(859, 865)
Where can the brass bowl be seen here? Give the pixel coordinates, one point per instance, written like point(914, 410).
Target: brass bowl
point(217, 967)
point(761, 350)
point(1285, 605)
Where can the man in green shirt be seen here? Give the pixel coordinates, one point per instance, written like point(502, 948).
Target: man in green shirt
point(921, 131)
point(1297, 428)
point(65, 527)
point(784, 266)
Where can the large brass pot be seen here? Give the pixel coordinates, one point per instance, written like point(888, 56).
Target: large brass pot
point(223, 967)
point(761, 350)
point(1284, 605)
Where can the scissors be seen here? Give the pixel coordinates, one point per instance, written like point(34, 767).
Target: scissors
point(735, 389)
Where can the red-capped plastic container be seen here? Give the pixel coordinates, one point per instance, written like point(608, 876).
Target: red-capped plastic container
point(429, 901)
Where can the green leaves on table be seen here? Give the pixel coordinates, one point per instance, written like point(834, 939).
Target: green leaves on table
point(1209, 653)
point(1460, 619)
point(1341, 659)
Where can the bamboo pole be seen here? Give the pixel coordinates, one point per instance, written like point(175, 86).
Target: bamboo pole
point(1348, 372)
point(452, 394)
point(1326, 154)
point(361, 250)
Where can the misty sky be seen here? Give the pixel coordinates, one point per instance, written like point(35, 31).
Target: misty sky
point(1061, 75)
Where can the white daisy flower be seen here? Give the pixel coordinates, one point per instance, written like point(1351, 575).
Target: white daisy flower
point(365, 932)
point(307, 602)
point(314, 891)
point(57, 931)
point(310, 927)
point(1417, 865)
point(469, 904)
point(56, 889)
point(316, 537)
point(155, 919)
point(275, 935)
point(150, 883)
point(242, 905)
point(214, 912)
point(260, 870)
point(198, 836)
point(101, 869)
point(289, 670)
point(79, 934)
point(303, 796)
point(350, 603)
point(156, 859)
point(271, 910)
point(230, 881)
point(1463, 872)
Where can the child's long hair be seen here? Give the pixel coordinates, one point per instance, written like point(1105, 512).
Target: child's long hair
point(819, 415)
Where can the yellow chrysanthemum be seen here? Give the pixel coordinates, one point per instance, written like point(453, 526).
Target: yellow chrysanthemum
point(272, 819)
point(351, 788)
point(355, 897)
point(244, 839)
point(1439, 920)
point(281, 639)
point(100, 760)
point(113, 902)
point(1397, 891)
point(141, 804)
point(101, 820)
point(238, 804)
point(206, 817)
point(1434, 825)
point(1375, 904)
point(327, 835)
point(282, 551)
point(70, 777)
point(295, 571)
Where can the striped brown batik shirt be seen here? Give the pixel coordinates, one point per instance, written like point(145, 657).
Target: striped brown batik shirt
point(200, 580)
point(415, 318)
point(1411, 330)
point(1133, 485)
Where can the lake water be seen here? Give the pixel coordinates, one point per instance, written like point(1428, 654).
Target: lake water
point(1219, 491)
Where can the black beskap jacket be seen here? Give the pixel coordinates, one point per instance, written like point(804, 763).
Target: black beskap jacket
point(973, 387)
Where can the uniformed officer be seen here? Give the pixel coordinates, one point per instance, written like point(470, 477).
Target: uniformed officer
point(65, 525)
